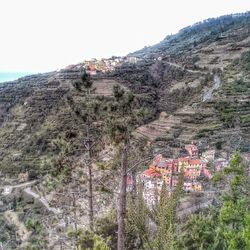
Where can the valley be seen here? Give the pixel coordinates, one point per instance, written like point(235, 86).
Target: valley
point(192, 88)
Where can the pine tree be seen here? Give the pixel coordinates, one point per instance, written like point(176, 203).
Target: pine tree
point(236, 203)
point(119, 126)
point(165, 215)
point(141, 219)
point(138, 219)
point(88, 113)
point(226, 227)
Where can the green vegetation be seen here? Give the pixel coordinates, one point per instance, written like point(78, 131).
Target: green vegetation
point(7, 234)
point(204, 132)
point(237, 87)
point(219, 145)
point(103, 237)
point(218, 177)
point(163, 216)
point(207, 131)
point(228, 118)
point(37, 240)
point(46, 126)
point(211, 30)
point(228, 226)
point(246, 61)
point(245, 118)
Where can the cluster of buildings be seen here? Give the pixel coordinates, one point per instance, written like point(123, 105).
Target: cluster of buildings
point(194, 167)
point(95, 66)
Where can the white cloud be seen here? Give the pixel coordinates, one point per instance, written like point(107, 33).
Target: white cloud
point(44, 35)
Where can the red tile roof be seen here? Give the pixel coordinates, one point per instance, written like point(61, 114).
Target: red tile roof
point(151, 173)
point(195, 161)
point(191, 146)
point(183, 159)
point(190, 161)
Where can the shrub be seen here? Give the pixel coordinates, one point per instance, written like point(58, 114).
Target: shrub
point(218, 145)
point(246, 61)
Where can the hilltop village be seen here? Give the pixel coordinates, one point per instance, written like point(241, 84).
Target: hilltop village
point(195, 168)
point(103, 66)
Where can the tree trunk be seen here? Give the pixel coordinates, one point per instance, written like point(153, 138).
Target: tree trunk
point(90, 184)
point(75, 215)
point(90, 180)
point(134, 184)
point(122, 200)
point(90, 198)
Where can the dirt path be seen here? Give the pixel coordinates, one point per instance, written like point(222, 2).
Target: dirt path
point(181, 67)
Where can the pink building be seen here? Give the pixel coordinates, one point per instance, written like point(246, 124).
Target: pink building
point(220, 164)
point(207, 173)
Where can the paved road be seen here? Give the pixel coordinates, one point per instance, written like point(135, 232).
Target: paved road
point(27, 189)
point(209, 94)
point(25, 184)
point(42, 200)
point(7, 189)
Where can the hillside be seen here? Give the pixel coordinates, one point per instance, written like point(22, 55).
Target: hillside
point(193, 86)
point(200, 81)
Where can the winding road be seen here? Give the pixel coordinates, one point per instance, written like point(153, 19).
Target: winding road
point(27, 190)
point(42, 200)
point(184, 69)
point(209, 94)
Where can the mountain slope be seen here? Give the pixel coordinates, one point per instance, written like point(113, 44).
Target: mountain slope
point(193, 75)
point(194, 86)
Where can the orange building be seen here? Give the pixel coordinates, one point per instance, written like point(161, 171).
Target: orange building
point(192, 186)
point(192, 167)
point(167, 170)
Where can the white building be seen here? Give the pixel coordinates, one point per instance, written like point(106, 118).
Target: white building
point(208, 156)
point(220, 164)
point(7, 190)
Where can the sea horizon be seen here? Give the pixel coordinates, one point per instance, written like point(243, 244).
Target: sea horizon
point(6, 76)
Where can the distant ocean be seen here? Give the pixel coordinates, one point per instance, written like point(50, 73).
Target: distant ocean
point(11, 76)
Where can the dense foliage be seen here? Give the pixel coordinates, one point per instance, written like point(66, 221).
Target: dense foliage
point(225, 227)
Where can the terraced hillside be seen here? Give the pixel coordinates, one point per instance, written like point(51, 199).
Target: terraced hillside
point(35, 114)
point(193, 86)
point(216, 112)
point(201, 93)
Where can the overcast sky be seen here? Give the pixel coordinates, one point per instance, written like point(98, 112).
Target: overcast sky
point(42, 35)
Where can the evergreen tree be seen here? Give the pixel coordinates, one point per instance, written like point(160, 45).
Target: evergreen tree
point(162, 217)
point(235, 210)
point(165, 215)
point(121, 122)
point(138, 219)
point(89, 114)
point(228, 226)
